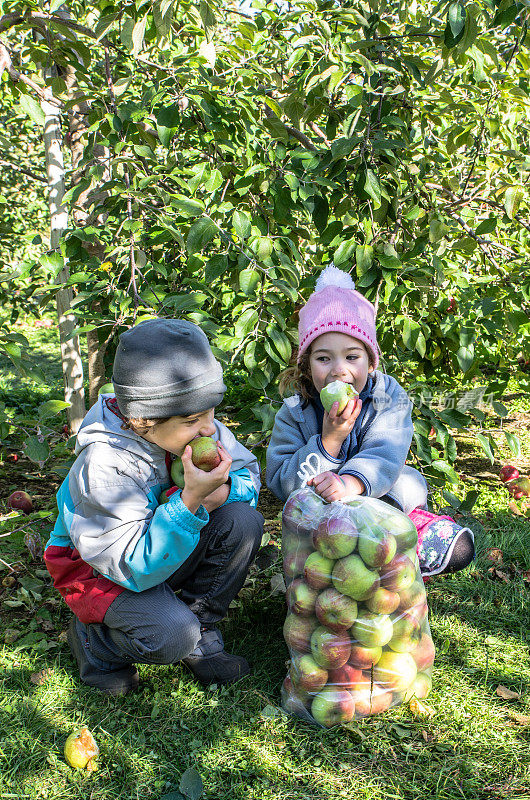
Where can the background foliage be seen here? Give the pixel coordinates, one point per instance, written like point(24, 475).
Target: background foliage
point(227, 154)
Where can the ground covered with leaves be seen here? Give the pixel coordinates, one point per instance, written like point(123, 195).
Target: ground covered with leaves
point(174, 739)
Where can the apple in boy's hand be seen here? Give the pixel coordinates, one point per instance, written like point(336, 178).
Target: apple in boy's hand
point(508, 473)
point(337, 392)
point(21, 501)
point(177, 472)
point(204, 453)
point(333, 706)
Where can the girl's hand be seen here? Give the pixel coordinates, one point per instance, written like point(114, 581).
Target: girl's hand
point(199, 484)
point(331, 486)
point(337, 427)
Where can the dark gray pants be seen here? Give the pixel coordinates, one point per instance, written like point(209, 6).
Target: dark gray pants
point(158, 627)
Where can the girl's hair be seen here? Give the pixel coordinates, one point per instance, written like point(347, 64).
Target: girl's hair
point(297, 377)
point(141, 425)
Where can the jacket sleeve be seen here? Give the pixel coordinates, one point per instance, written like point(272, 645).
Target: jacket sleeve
point(116, 532)
point(245, 477)
point(286, 452)
point(242, 488)
point(385, 444)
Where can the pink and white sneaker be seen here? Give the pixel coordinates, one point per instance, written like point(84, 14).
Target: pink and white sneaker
point(437, 538)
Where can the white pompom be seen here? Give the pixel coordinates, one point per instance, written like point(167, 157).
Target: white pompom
point(333, 276)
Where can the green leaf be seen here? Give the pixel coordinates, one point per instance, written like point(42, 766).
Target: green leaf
point(456, 17)
point(372, 187)
point(173, 796)
point(514, 443)
point(241, 223)
point(320, 212)
point(200, 234)
point(512, 200)
point(364, 254)
point(208, 19)
point(52, 407)
point(191, 783)
point(36, 450)
point(138, 35)
point(344, 252)
point(248, 280)
point(488, 445)
point(465, 356)
point(33, 109)
point(281, 343)
point(188, 206)
point(486, 226)
point(246, 322)
point(215, 267)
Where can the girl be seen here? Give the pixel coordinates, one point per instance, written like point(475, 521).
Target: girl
point(363, 450)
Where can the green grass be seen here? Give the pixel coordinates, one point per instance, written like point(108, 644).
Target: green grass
point(475, 746)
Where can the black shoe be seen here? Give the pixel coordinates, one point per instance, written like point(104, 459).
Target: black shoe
point(115, 682)
point(210, 663)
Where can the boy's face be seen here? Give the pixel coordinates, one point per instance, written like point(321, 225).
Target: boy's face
point(339, 357)
point(177, 432)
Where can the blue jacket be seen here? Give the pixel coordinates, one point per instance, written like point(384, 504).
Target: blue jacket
point(110, 528)
point(375, 451)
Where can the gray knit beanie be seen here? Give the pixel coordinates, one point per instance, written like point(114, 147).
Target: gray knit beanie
point(165, 368)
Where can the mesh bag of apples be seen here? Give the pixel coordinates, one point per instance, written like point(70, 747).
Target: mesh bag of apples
point(357, 628)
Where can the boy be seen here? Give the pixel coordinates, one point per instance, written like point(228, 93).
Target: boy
point(116, 556)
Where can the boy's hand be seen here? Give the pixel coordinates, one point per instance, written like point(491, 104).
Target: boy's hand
point(331, 486)
point(199, 484)
point(337, 427)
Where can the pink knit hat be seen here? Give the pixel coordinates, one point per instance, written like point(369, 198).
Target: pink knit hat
point(335, 305)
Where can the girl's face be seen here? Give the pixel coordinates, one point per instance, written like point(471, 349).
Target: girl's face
point(339, 357)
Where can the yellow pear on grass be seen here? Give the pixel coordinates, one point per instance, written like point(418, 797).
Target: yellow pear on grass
point(80, 749)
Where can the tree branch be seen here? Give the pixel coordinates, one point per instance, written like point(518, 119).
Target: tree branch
point(16, 76)
point(24, 171)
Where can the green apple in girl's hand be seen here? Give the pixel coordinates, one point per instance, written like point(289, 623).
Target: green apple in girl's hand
point(337, 392)
point(177, 472)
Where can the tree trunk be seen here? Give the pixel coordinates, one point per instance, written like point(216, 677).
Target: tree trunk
point(70, 353)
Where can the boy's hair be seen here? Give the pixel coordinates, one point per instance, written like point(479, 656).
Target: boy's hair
point(141, 425)
point(297, 377)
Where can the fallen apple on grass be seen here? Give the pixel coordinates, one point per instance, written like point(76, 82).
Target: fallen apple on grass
point(81, 749)
point(20, 501)
point(519, 488)
point(508, 473)
point(337, 392)
point(333, 706)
